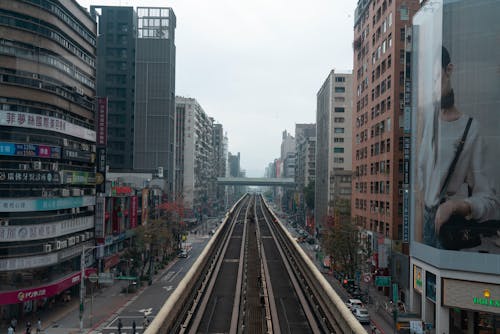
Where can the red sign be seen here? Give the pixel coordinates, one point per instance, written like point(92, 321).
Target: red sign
point(111, 261)
point(121, 191)
point(102, 120)
point(133, 212)
point(24, 295)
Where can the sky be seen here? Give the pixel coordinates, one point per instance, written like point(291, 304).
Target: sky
point(255, 66)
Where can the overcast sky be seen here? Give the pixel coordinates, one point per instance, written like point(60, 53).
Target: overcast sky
point(255, 66)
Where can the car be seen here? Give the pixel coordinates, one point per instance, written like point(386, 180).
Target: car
point(183, 254)
point(353, 304)
point(362, 315)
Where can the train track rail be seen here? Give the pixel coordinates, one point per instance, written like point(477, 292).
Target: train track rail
point(253, 278)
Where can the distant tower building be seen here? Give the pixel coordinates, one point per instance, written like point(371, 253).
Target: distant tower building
point(333, 140)
point(47, 149)
point(220, 163)
point(305, 167)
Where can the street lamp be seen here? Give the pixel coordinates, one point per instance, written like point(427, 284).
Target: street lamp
point(82, 282)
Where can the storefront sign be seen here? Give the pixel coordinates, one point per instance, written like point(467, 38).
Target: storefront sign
point(32, 177)
point(77, 155)
point(20, 296)
point(116, 191)
point(483, 297)
point(417, 279)
point(34, 121)
point(16, 233)
point(44, 204)
point(28, 262)
point(133, 212)
point(30, 150)
point(74, 177)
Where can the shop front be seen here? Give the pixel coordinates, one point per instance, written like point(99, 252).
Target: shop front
point(474, 306)
point(24, 301)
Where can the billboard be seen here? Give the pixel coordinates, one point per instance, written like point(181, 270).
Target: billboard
point(456, 127)
point(30, 150)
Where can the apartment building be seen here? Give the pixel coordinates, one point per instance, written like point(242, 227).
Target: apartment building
point(333, 140)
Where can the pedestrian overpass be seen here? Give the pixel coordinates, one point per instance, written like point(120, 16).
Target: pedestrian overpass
point(256, 181)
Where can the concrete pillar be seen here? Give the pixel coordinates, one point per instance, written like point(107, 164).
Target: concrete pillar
point(470, 322)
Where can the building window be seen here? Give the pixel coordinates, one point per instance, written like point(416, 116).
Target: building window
point(339, 119)
point(338, 140)
point(339, 89)
point(338, 150)
point(339, 130)
point(339, 79)
point(339, 109)
point(339, 99)
point(338, 160)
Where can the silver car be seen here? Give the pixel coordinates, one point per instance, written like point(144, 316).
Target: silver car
point(362, 315)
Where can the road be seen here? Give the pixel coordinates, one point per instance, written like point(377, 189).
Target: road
point(110, 304)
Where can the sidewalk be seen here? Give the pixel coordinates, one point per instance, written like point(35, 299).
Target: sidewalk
point(378, 315)
point(64, 318)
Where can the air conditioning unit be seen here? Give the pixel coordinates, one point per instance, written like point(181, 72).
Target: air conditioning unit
point(54, 166)
point(75, 192)
point(82, 237)
point(4, 222)
point(59, 244)
point(37, 165)
point(93, 191)
point(77, 210)
point(77, 239)
point(87, 235)
point(47, 248)
point(91, 234)
point(65, 142)
point(71, 241)
point(64, 243)
point(79, 90)
point(24, 166)
point(64, 192)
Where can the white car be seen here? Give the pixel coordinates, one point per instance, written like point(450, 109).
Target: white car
point(353, 304)
point(362, 315)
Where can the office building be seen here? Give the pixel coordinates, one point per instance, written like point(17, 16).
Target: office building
point(47, 145)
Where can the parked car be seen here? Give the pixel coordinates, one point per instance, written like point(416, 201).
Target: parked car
point(183, 254)
point(353, 304)
point(362, 315)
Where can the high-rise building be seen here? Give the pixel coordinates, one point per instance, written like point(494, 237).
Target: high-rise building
point(333, 140)
point(47, 147)
point(137, 74)
point(220, 163)
point(305, 167)
point(116, 49)
point(194, 140)
point(379, 75)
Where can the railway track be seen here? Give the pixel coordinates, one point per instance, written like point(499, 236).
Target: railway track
point(252, 278)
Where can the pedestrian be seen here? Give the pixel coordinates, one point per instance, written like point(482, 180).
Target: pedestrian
point(28, 327)
point(133, 327)
point(10, 330)
point(145, 322)
point(39, 326)
point(13, 323)
point(120, 325)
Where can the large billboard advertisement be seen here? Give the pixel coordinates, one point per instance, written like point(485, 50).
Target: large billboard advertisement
point(456, 127)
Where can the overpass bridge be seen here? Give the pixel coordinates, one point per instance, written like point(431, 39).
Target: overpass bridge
point(255, 181)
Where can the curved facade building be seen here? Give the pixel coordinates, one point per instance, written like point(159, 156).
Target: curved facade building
point(47, 150)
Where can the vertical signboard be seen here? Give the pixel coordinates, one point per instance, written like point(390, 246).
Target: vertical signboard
point(99, 217)
point(144, 218)
point(133, 212)
point(102, 139)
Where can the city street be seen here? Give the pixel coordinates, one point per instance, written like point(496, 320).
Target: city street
point(111, 304)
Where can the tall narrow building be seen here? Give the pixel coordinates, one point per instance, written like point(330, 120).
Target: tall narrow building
point(333, 141)
point(378, 120)
point(47, 148)
point(116, 28)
